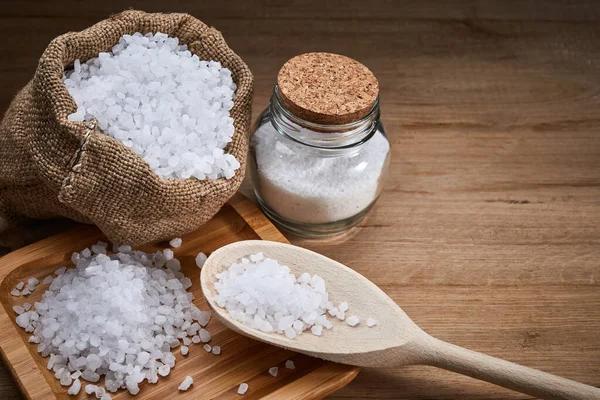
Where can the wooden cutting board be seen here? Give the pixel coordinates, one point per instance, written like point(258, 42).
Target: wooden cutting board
point(215, 377)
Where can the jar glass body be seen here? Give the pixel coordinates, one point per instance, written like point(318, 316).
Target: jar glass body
point(317, 180)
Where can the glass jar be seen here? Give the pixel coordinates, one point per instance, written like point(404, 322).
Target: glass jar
point(315, 179)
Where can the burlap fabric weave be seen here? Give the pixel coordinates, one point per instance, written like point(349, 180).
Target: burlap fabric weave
point(50, 167)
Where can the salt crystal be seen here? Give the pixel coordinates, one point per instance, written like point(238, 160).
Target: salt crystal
point(196, 339)
point(15, 292)
point(289, 364)
point(26, 306)
point(20, 285)
point(371, 322)
point(201, 259)
point(61, 270)
point(207, 348)
point(175, 242)
point(48, 280)
point(353, 320)
point(32, 282)
point(274, 371)
point(216, 350)
point(75, 388)
point(89, 389)
point(187, 382)
point(23, 320)
point(243, 388)
point(317, 330)
point(124, 248)
point(184, 350)
point(186, 341)
point(205, 335)
point(19, 309)
point(164, 370)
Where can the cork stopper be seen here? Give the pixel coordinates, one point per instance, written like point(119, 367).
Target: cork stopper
point(326, 88)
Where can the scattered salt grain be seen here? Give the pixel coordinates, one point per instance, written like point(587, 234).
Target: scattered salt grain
point(33, 282)
point(15, 292)
point(205, 336)
point(207, 348)
point(20, 285)
point(184, 350)
point(26, 291)
point(201, 259)
point(164, 370)
point(352, 320)
point(163, 102)
point(168, 254)
point(289, 364)
point(216, 350)
point(175, 242)
point(243, 388)
point(19, 310)
point(274, 371)
point(317, 330)
point(61, 270)
point(89, 389)
point(196, 339)
point(75, 388)
point(187, 382)
point(33, 339)
point(371, 322)
point(47, 280)
point(187, 341)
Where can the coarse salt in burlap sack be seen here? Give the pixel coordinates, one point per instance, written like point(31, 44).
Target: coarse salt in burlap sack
point(50, 167)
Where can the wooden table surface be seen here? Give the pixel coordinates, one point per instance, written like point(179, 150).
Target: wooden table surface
point(488, 230)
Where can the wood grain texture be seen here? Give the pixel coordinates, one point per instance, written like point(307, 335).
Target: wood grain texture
point(215, 377)
point(488, 230)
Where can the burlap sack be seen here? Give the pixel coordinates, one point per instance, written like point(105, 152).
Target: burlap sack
point(50, 167)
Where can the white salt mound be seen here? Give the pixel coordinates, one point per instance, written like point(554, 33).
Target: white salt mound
point(187, 382)
point(243, 388)
point(300, 187)
point(264, 295)
point(116, 316)
point(163, 102)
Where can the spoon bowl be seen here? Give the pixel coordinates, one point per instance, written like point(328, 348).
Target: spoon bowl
point(395, 340)
point(359, 345)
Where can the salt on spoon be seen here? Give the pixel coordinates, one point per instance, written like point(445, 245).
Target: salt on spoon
point(398, 341)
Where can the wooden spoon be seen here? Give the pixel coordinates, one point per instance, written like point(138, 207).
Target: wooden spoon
point(395, 340)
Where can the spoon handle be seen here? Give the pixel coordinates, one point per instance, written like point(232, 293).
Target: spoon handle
point(504, 373)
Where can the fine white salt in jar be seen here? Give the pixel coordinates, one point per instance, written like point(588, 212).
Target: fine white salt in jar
point(319, 153)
